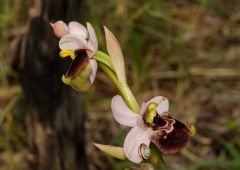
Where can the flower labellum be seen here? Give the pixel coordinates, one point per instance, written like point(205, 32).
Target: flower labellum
point(79, 43)
point(79, 71)
point(170, 135)
point(153, 124)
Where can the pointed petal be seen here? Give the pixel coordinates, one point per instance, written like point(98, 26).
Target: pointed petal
point(163, 104)
point(122, 113)
point(176, 140)
point(78, 29)
point(115, 52)
point(114, 151)
point(93, 64)
point(59, 28)
point(135, 137)
point(92, 38)
point(72, 42)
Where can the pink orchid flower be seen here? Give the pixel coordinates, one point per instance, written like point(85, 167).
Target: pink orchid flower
point(154, 123)
point(80, 43)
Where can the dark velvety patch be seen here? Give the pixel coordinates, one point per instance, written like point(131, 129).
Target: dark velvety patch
point(174, 141)
point(159, 121)
point(163, 123)
point(78, 63)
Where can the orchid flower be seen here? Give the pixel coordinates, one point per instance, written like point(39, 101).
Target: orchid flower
point(153, 124)
point(80, 43)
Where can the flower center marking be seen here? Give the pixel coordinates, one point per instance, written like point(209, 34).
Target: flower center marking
point(151, 112)
point(67, 53)
point(144, 151)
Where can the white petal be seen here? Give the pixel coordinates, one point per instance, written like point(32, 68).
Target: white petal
point(116, 55)
point(78, 29)
point(72, 42)
point(122, 113)
point(135, 137)
point(92, 38)
point(163, 104)
point(93, 64)
point(143, 108)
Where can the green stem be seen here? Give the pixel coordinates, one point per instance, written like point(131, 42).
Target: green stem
point(103, 58)
point(132, 103)
point(156, 158)
point(123, 88)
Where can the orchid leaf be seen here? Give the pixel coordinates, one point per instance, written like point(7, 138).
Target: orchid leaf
point(115, 151)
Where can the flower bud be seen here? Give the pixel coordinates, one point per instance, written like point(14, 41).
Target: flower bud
point(59, 28)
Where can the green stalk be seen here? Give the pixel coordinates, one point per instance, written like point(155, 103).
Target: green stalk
point(103, 58)
point(156, 158)
point(105, 63)
point(129, 97)
point(123, 88)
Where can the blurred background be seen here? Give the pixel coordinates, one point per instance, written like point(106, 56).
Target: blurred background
point(186, 50)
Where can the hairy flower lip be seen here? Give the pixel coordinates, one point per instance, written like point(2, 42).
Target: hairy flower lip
point(172, 142)
point(82, 71)
point(170, 137)
point(80, 60)
point(165, 122)
point(167, 133)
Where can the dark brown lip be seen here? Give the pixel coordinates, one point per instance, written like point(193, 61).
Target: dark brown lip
point(174, 140)
point(78, 63)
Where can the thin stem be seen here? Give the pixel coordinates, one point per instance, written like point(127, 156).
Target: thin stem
point(123, 89)
point(103, 58)
point(156, 158)
point(130, 97)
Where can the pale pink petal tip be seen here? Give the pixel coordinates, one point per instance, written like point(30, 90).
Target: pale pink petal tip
point(78, 29)
point(72, 42)
point(92, 37)
point(134, 139)
point(122, 113)
point(59, 28)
